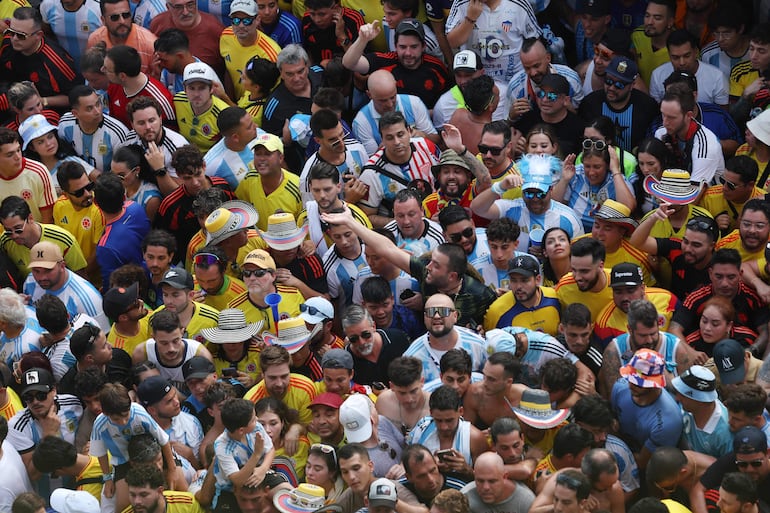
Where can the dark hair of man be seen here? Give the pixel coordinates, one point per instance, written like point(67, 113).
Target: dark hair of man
point(323, 171)
point(78, 92)
point(728, 256)
point(93, 58)
point(51, 313)
point(571, 439)
point(140, 368)
point(143, 448)
point(320, 4)
point(558, 375)
point(145, 475)
point(160, 237)
point(109, 2)
point(89, 382)
point(187, 160)
point(53, 453)
point(593, 410)
point(376, 289)
point(128, 274)
point(503, 230)
point(414, 453)
point(29, 13)
point(529, 42)
point(445, 398)
point(503, 426)
point(391, 118)
point(745, 167)
point(218, 392)
point(649, 504)
point(457, 260)
point(236, 413)
point(109, 193)
point(69, 170)
point(681, 77)
point(712, 232)
point(670, 6)
point(680, 93)
point(407, 194)
point(511, 365)
point(114, 399)
point(408, 7)
point(457, 360)
point(576, 314)
point(452, 214)
point(218, 252)
point(230, 119)
point(273, 355)
point(347, 451)
point(329, 98)
point(165, 321)
point(681, 37)
point(665, 463)
point(208, 200)
point(499, 127)
point(336, 75)
point(575, 481)
point(742, 486)
point(8, 136)
point(589, 247)
point(405, 370)
point(760, 34)
point(642, 311)
point(126, 59)
point(758, 205)
point(747, 398)
point(479, 93)
point(172, 41)
point(323, 119)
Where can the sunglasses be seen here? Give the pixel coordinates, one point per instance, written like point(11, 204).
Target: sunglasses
point(534, 194)
point(258, 273)
point(465, 234)
point(702, 225)
point(17, 231)
point(311, 310)
point(207, 259)
point(246, 21)
point(552, 97)
point(727, 183)
point(596, 145)
point(79, 192)
point(119, 15)
point(366, 335)
point(604, 54)
point(753, 463)
point(616, 83)
point(442, 311)
point(326, 449)
point(568, 481)
point(666, 489)
point(21, 36)
point(494, 150)
point(34, 396)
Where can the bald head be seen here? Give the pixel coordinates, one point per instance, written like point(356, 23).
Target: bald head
point(439, 300)
point(489, 462)
point(382, 90)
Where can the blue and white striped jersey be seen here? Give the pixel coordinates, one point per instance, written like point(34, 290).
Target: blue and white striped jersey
point(11, 349)
point(431, 237)
point(468, 340)
point(72, 28)
point(107, 436)
point(95, 148)
point(341, 273)
point(557, 214)
point(231, 454)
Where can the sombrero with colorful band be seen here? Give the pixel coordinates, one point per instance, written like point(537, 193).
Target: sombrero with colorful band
point(618, 213)
point(229, 218)
point(282, 232)
point(674, 187)
point(292, 335)
point(535, 410)
point(305, 498)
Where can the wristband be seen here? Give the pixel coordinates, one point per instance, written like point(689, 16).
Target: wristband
point(497, 189)
point(107, 477)
point(470, 20)
point(463, 153)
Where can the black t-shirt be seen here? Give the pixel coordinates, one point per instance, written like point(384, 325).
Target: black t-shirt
point(750, 310)
point(394, 343)
point(712, 479)
point(428, 82)
point(569, 130)
point(310, 270)
point(684, 277)
point(321, 44)
point(631, 124)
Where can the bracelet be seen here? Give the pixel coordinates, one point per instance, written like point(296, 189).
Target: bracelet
point(107, 477)
point(463, 153)
point(472, 21)
point(44, 101)
point(497, 189)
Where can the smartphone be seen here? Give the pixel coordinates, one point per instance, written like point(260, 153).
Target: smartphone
point(230, 372)
point(442, 454)
point(406, 294)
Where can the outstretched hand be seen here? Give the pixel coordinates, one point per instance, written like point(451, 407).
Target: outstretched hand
point(452, 138)
point(369, 31)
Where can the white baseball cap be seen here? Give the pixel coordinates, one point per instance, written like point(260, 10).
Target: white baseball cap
point(355, 418)
point(199, 72)
point(74, 501)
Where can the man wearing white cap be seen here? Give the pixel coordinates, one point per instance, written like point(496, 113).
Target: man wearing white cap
point(197, 109)
point(363, 425)
point(319, 311)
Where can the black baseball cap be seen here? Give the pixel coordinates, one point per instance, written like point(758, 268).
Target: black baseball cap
point(749, 440)
point(197, 367)
point(626, 275)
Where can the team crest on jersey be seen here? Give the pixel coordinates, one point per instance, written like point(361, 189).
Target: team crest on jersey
point(252, 367)
point(102, 148)
point(206, 129)
point(661, 320)
point(34, 77)
point(26, 194)
point(393, 187)
point(86, 223)
point(85, 27)
point(283, 316)
point(199, 338)
point(507, 25)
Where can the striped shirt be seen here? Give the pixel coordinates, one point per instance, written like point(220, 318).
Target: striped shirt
point(109, 437)
point(232, 455)
point(225, 163)
point(467, 340)
point(425, 433)
point(521, 86)
point(712, 54)
point(25, 432)
point(544, 316)
point(557, 214)
point(20, 255)
point(12, 349)
point(286, 30)
point(77, 294)
point(220, 9)
point(613, 322)
point(356, 157)
point(585, 198)
point(170, 142)
point(398, 285)
point(33, 183)
point(703, 152)
point(52, 70)
point(177, 502)
point(186, 430)
point(541, 348)
point(432, 236)
point(341, 274)
point(146, 11)
point(119, 100)
point(366, 123)
point(72, 28)
point(95, 148)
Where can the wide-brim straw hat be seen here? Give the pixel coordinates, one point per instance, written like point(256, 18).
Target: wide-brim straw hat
point(674, 187)
point(232, 327)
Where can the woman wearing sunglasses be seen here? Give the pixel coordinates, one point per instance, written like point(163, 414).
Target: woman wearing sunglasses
point(129, 165)
point(276, 418)
point(602, 128)
point(322, 469)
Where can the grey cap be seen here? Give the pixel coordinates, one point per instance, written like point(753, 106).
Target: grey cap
point(337, 359)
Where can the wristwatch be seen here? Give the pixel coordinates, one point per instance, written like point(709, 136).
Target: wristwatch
point(161, 172)
point(344, 42)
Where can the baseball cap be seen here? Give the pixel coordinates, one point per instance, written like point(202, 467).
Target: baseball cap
point(698, 383)
point(74, 501)
point(355, 418)
point(45, 255)
point(248, 7)
point(197, 367)
point(616, 40)
point(199, 72)
point(645, 369)
point(337, 359)
point(260, 258)
point(749, 440)
point(178, 278)
point(538, 180)
point(467, 60)
point(382, 492)
point(153, 389)
point(594, 7)
point(626, 275)
point(329, 399)
point(118, 300)
point(269, 141)
point(524, 265)
point(729, 358)
point(555, 82)
point(623, 69)
point(316, 309)
point(36, 380)
point(411, 26)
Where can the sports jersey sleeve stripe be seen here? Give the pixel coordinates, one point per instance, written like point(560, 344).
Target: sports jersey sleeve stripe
point(62, 65)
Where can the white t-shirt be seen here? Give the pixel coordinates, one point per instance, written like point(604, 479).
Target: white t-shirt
point(712, 83)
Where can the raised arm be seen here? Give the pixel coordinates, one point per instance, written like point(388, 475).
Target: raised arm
point(484, 204)
point(460, 34)
point(354, 59)
point(623, 193)
point(641, 237)
point(454, 140)
point(567, 174)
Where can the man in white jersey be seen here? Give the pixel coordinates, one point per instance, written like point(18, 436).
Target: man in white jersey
point(414, 233)
point(231, 157)
point(72, 21)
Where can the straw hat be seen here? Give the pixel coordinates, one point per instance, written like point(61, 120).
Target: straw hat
point(616, 212)
point(535, 410)
point(232, 327)
point(305, 498)
point(292, 334)
point(282, 232)
point(674, 187)
point(228, 219)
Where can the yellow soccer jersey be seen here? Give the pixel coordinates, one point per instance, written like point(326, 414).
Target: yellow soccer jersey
point(204, 316)
point(73, 255)
point(299, 458)
point(506, 311)
point(248, 364)
point(33, 183)
point(613, 322)
point(646, 57)
point(86, 224)
point(299, 394)
point(316, 439)
point(90, 478)
point(255, 108)
point(7, 8)
point(128, 343)
point(177, 502)
point(664, 230)
point(286, 197)
point(742, 75)
point(200, 130)
point(628, 253)
point(567, 291)
point(236, 56)
point(514, 193)
point(714, 201)
point(291, 298)
point(12, 404)
point(199, 240)
point(733, 240)
point(231, 288)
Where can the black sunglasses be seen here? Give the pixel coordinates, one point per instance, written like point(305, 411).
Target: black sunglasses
point(34, 396)
point(727, 183)
point(366, 335)
point(79, 192)
point(117, 16)
point(494, 150)
point(457, 237)
point(311, 310)
point(258, 273)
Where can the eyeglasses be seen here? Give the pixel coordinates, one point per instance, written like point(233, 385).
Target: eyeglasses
point(311, 310)
point(190, 6)
point(79, 192)
point(748, 225)
point(35, 396)
point(258, 273)
point(366, 335)
point(17, 231)
point(616, 83)
point(388, 449)
point(568, 481)
point(730, 185)
point(598, 145)
point(667, 489)
point(494, 150)
point(703, 225)
point(442, 311)
point(117, 16)
point(326, 449)
point(21, 36)
point(606, 55)
point(206, 259)
point(745, 464)
point(552, 97)
point(246, 21)
point(534, 194)
point(465, 234)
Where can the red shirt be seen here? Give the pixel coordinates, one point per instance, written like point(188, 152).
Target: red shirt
point(154, 89)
